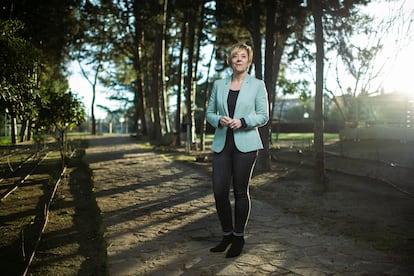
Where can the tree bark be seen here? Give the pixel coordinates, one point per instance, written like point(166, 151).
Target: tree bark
point(156, 89)
point(320, 174)
point(163, 100)
point(263, 160)
point(13, 124)
point(93, 85)
point(206, 96)
point(93, 130)
point(139, 95)
point(180, 82)
point(189, 81)
point(254, 29)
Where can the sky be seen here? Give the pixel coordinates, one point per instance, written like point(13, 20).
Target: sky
point(395, 77)
point(400, 75)
point(80, 86)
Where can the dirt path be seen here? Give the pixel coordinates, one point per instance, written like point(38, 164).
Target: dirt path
point(159, 219)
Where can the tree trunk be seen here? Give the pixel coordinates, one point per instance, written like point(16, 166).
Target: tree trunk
point(23, 131)
point(254, 29)
point(93, 84)
point(206, 96)
point(277, 57)
point(180, 82)
point(320, 174)
point(155, 93)
point(189, 81)
point(140, 122)
point(263, 160)
point(29, 130)
point(140, 125)
point(95, 81)
point(163, 99)
point(200, 25)
point(13, 129)
point(93, 130)
point(157, 77)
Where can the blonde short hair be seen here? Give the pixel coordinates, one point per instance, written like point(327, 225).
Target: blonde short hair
point(237, 47)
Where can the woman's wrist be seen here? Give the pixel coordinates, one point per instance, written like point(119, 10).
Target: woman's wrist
point(243, 123)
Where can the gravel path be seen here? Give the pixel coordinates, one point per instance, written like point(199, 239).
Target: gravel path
point(160, 219)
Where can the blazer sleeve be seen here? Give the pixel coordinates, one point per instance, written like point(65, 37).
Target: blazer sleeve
point(212, 115)
point(261, 114)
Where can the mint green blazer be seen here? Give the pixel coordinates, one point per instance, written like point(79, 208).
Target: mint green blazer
point(252, 105)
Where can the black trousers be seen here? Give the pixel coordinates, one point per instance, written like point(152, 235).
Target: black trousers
point(232, 167)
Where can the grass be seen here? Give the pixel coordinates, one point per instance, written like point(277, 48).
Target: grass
point(300, 140)
point(5, 140)
point(292, 136)
point(301, 136)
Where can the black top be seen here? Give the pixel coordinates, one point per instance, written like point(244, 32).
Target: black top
point(231, 101)
point(231, 104)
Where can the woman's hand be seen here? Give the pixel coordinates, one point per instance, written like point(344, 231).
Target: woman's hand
point(225, 121)
point(230, 123)
point(235, 124)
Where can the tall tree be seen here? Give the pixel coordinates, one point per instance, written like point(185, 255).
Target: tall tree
point(178, 115)
point(206, 97)
point(18, 62)
point(161, 122)
point(164, 100)
point(323, 10)
point(92, 47)
point(282, 19)
point(320, 174)
point(49, 27)
point(132, 59)
point(156, 75)
point(139, 68)
point(140, 51)
point(190, 77)
point(255, 28)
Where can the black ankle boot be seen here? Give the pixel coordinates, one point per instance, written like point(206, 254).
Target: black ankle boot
point(236, 247)
point(222, 246)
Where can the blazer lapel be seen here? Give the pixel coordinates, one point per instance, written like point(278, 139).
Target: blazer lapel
point(242, 93)
point(225, 94)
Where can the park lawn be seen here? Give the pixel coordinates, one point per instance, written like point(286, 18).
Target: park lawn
point(302, 136)
point(5, 140)
point(293, 136)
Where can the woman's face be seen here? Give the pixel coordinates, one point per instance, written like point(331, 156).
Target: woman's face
point(240, 61)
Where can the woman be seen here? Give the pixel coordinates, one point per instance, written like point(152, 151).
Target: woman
point(238, 105)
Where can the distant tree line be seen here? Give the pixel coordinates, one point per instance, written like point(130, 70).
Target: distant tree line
point(34, 91)
point(153, 51)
